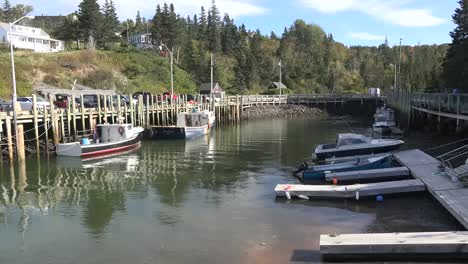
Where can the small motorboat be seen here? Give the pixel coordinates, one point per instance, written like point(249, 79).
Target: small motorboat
point(384, 120)
point(189, 125)
point(110, 138)
point(317, 172)
point(356, 144)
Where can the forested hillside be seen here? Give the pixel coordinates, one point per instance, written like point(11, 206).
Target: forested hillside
point(246, 60)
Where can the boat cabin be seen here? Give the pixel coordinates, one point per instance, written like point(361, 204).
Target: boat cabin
point(196, 119)
point(384, 115)
point(114, 132)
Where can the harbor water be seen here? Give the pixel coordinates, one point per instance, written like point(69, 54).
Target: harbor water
point(208, 200)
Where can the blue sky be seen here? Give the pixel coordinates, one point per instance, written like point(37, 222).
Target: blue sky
point(353, 22)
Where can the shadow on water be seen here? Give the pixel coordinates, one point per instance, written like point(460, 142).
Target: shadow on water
point(208, 200)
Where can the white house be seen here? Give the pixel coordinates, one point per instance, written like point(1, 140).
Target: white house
point(143, 41)
point(30, 38)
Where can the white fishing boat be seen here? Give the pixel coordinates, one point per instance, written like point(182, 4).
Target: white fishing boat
point(110, 138)
point(189, 125)
point(384, 120)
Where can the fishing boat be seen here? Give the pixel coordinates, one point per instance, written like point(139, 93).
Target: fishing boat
point(384, 120)
point(318, 172)
point(189, 125)
point(356, 144)
point(109, 138)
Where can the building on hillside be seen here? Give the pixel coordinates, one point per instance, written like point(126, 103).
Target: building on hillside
point(216, 91)
point(205, 88)
point(142, 41)
point(276, 85)
point(30, 38)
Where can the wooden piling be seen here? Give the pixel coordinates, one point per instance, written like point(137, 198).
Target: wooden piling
point(75, 130)
point(46, 130)
point(36, 127)
point(9, 138)
point(20, 140)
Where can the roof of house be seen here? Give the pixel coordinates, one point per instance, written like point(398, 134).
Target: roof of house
point(25, 31)
point(277, 84)
point(207, 86)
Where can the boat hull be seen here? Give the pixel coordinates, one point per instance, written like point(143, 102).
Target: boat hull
point(356, 152)
point(85, 151)
point(177, 132)
point(318, 173)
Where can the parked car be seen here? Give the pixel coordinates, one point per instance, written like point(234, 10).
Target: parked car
point(167, 96)
point(26, 103)
point(5, 105)
point(62, 100)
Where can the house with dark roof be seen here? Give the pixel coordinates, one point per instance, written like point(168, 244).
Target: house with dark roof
point(276, 85)
point(205, 88)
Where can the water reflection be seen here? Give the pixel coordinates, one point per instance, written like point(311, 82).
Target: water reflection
point(207, 200)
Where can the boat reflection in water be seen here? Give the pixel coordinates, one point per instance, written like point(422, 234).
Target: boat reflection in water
point(123, 161)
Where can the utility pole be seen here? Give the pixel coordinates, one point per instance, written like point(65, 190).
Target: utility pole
point(211, 65)
point(128, 38)
point(280, 81)
point(399, 69)
point(13, 77)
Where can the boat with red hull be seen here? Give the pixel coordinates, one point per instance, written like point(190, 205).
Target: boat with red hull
point(110, 139)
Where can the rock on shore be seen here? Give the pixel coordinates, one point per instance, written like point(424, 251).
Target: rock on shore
point(285, 111)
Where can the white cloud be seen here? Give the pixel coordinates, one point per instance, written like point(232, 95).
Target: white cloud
point(128, 8)
point(392, 11)
point(366, 36)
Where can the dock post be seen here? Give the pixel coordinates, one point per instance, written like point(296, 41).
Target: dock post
point(90, 121)
point(68, 122)
point(62, 128)
point(147, 111)
point(126, 114)
point(131, 110)
point(119, 110)
point(20, 140)
point(75, 130)
point(54, 122)
point(112, 108)
point(157, 112)
point(99, 110)
point(9, 138)
point(36, 127)
point(105, 108)
point(140, 110)
point(83, 122)
point(46, 130)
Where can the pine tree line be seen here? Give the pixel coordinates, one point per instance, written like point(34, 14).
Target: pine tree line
point(246, 61)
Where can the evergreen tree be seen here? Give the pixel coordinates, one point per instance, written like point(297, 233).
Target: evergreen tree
point(157, 25)
point(228, 35)
point(6, 11)
point(213, 30)
point(202, 24)
point(89, 19)
point(139, 26)
point(456, 62)
point(110, 23)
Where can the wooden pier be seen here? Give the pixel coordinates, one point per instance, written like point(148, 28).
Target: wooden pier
point(430, 245)
point(349, 191)
point(452, 195)
point(44, 127)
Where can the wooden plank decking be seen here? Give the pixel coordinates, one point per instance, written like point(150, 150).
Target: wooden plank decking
point(452, 195)
point(453, 244)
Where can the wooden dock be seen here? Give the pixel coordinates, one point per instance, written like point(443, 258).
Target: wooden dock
point(387, 173)
point(400, 245)
point(452, 195)
point(349, 191)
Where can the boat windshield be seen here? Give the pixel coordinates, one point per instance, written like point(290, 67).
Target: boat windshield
point(350, 139)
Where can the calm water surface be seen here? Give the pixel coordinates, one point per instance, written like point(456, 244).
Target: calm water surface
point(209, 200)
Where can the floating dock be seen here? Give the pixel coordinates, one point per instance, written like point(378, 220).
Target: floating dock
point(349, 191)
point(452, 195)
point(387, 173)
point(452, 245)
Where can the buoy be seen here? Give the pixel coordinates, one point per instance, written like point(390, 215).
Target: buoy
point(357, 196)
point(335, 181)
point(288, 195)
point(379, 198)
